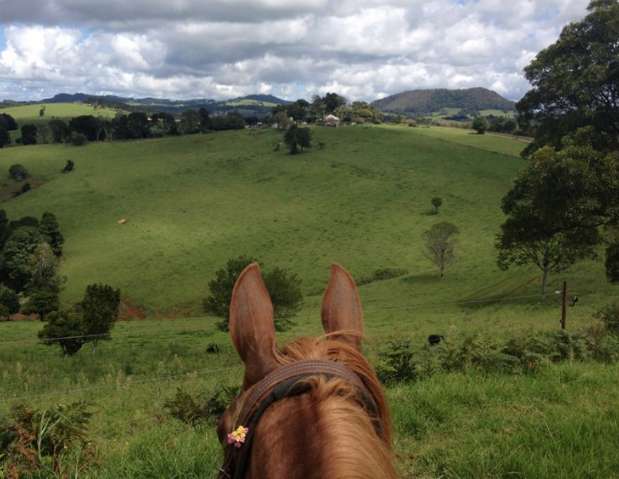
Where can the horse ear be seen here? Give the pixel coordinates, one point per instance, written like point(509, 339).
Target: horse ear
point(341, 308)
point(251, 325)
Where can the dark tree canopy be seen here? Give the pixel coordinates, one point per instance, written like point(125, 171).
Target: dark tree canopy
point(480, 124)
point(29, 135)
point(284, 289)
point(576, 81)
point(5, 137)
point(8, 122)
point(10, 301)
point(66, 329)
point(297, 139)
point(50, 232)
point(99, 310)
point(557, 206)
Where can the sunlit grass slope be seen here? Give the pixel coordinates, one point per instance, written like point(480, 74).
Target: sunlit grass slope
point(64, 111)
point(191, 203)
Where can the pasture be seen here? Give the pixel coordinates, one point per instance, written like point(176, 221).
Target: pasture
point(29, 114)
point(193, 202)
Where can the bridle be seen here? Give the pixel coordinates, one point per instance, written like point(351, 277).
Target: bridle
point(289, 380)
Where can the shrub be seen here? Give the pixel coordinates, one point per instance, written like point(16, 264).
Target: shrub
point(192, 410)
point(26, 187)
point(381, 275)
point(18, 172)
point(610, 318)
point(78, 139)
point(42, 441)
point(480, 124)
point(396, 363)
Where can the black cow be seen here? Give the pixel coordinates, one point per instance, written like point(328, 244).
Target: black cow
point(434, 339)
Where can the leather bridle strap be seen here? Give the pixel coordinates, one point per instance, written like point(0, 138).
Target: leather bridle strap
point(289, 380)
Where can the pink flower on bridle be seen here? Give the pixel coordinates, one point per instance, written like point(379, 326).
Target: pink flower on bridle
point(238, 437)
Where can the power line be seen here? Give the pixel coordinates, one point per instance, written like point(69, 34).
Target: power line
point(109, 386)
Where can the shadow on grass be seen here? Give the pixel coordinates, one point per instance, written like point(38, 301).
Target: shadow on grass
point(422, 279)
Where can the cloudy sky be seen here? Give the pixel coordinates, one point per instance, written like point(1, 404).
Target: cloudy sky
point(362, 49)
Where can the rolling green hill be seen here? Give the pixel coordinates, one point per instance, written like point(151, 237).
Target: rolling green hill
point(430, 101)
point(193, 202)
point(26, 114)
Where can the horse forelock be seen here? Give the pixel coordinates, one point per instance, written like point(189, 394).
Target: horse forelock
point(333, 434)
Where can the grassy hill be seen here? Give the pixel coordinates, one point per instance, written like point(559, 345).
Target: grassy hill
point(26, 114)
point(431, 101)
point(193, 202)
point(363, 201)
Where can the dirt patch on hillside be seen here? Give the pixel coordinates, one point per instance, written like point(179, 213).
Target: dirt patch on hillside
point(11, 189)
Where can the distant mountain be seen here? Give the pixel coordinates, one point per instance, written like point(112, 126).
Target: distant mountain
point(250, 105)
point(267, 99)
point(429, 101)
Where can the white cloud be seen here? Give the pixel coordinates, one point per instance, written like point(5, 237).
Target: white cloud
point(363, 49)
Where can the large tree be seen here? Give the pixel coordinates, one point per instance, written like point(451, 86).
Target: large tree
point(557, 206)
point(576, 81)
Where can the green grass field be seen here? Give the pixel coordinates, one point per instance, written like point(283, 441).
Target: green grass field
point(29, 114)
point(364, 200)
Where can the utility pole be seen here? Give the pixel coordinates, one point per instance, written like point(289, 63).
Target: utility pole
point(564, 310)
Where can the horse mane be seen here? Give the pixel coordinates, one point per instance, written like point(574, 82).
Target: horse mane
point(354, 450)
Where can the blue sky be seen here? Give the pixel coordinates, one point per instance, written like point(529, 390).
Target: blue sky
point(362, 49)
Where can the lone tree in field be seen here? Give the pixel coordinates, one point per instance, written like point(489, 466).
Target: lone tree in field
point(88, 322)
point(284, 289)
point(437, 203)
point(439, 243)
point(556, 207)
point(296, 138)
point(480, 124)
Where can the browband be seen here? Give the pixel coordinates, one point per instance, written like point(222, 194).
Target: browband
point(289, 380)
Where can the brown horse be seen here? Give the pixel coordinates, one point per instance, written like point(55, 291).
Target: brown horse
point(315, 406)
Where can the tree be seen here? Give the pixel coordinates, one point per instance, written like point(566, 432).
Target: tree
point(89, 126)
point(8, 122)
point(50, 232)
point(99, 310)
point(138, 126)
point(575, 81)
point(296, 137)
point(43, 302)
point(556, 207)
point(480, 124)
point(190, 122)
point(282, 120)
point(10, 301)
point(18, 172)
point(332, 101)
point(60, 131)
point(439, 245)
point(90, 321)
point(284, 289)
point(437, 202)
point(29, 135)
point(5, 138)
point(206, 123)
point(64, 328)
point(612, 263)
point(16, 256)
